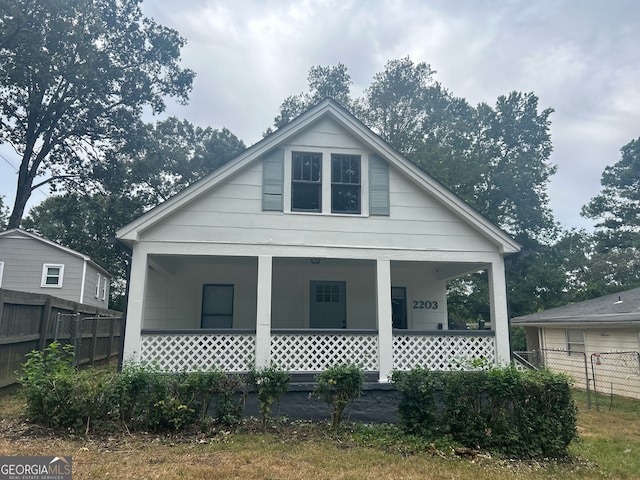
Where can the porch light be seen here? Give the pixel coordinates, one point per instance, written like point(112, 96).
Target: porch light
point(315, 261)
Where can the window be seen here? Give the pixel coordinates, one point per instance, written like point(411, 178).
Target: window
point(1, 272)
point(345, 183)
point(217, 306)
point(97, 286)
point(306, 182)
point(575, 341)
point(52, 275)
point(105, 285)
point(399, 307)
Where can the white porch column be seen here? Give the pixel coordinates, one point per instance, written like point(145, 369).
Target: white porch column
point(385, 324)
point(135, 306)
point(263, 319)
point(499, 311)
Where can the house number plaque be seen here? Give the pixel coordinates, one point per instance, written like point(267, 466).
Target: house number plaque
point(425, 305)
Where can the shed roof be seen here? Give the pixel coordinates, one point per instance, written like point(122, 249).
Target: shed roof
point(616, 308)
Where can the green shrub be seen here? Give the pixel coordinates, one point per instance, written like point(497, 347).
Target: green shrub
point(337, 387)
point(523, 414)
point(270, 384)
point(141, 397)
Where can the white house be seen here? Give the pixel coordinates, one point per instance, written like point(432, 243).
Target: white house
point(30, 263)
point(317, 245)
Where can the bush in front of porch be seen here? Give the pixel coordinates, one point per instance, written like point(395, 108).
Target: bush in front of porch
point(516, 413)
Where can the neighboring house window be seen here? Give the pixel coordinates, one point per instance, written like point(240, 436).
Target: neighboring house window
point(1, 272)
point(52, 275)
point(345, 183)
point(105, 283)
point(98, 285)
point(306, 182)
point(217, 306)
point(575, 341)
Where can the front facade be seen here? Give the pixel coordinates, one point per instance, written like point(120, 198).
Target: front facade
point(318, 245)
point(596, 341)
point(29, 263)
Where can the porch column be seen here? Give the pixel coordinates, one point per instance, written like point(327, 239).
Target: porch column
point(135, 306)
point(385, 324)
point(499, 311)
point(263, 318)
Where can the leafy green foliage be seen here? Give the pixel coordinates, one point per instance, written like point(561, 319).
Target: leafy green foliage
point(141, 397)
point(270, 384)
point(338, 386)
point(523, 414)
point(75, 76)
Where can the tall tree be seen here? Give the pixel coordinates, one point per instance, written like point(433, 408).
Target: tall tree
point(4, 214)
point(324, 82)
point(617, 207)
point(171, 155)
point(74, 76)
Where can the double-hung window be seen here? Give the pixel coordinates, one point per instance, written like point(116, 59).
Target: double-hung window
point(306, 182)
point(575, 341)
point(52, 275)
point(97, 294)
point(345, 183)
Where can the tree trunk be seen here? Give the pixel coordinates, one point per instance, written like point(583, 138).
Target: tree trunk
point(22, 196)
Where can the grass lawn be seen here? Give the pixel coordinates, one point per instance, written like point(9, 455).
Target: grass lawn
point(609, 448)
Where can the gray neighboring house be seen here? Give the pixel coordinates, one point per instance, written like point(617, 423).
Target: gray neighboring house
point(597, 341)
point(30, 263)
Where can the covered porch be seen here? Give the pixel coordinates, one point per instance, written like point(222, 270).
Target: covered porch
point(306, 313)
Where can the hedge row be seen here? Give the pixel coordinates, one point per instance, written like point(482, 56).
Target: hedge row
point(523, 414)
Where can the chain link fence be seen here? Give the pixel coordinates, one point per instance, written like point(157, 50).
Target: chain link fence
point(94, 339)
point(604, 376)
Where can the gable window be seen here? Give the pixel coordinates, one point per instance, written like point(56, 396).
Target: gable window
point(217, 306)
point(345, 183)
point(104, 289)
point(306, 182)
point(575, 341)
point(97, 285)
point(52, 275)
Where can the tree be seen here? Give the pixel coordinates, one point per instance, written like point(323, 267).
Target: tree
point(4, 214)
point(324, 82)
point(74, 76)
point(173, 154)
point(617, 208)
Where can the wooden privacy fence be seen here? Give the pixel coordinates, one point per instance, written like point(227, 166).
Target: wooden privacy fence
point(28, 322)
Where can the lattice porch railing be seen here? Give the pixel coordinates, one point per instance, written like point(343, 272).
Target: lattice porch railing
point(316, 351)
point(313, 350)
point(441, 351)
point(175, 352)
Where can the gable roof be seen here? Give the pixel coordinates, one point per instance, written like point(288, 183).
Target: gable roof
point(622, 307)
point(19, 233)
point(331, 109)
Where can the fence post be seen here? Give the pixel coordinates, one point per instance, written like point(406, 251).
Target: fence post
point(77, 341)
point(56, 329)
point(111, 335)
point(44, 324)
point(94, 332)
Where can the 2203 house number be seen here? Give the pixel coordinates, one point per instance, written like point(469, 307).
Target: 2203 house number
point(425, 304)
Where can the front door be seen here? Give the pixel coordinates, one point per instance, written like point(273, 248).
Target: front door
point(328, 305)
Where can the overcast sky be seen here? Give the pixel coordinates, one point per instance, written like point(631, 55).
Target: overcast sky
point(580, 57)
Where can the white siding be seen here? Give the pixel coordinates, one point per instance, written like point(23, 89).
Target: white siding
point(232, 212)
